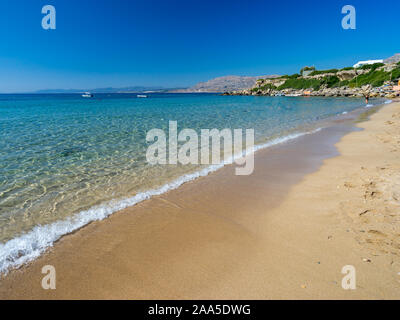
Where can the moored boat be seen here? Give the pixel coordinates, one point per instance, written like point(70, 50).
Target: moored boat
point(87, 95)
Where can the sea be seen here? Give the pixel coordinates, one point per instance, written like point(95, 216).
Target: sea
point(66, 160)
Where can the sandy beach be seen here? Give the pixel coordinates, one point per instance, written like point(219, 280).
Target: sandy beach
point(311, 206)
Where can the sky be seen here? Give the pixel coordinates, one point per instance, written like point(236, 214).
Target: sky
point(177, 43)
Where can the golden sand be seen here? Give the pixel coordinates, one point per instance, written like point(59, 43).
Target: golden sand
point(277, 234)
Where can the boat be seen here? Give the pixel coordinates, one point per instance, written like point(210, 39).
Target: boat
point(87, 95)
point(141, 96)
point(294, 95)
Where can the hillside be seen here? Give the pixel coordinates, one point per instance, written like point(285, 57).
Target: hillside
point(132, 89)
point(225, 84)
point(393, 59)
point(379, 79)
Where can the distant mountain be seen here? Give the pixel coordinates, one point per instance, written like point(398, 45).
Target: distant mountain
point(220, 84)
point(225, 84)
point(136, 89)
point(393, 59)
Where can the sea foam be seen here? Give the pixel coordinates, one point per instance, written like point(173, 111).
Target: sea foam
point(32, 244)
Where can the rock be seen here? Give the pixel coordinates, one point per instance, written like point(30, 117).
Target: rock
point(393, 59)
point(226, 83)
point(346, 74)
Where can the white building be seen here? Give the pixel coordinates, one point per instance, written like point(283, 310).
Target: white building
point(363, 63)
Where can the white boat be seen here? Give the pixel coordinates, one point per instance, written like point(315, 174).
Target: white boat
point(141, 96)
point(294, 95)
point(87, 95)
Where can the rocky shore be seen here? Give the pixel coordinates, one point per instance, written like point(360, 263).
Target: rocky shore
point(348, 82)
point(385, 92)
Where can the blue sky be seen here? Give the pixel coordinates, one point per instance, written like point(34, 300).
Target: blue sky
point(170, 43)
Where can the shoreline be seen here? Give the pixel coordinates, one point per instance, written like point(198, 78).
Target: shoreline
point(194, 241)
point(45, 236)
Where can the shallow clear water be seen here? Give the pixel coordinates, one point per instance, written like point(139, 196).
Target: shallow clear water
point(62, 154)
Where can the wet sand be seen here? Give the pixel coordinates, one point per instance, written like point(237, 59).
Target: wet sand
point(284, 232)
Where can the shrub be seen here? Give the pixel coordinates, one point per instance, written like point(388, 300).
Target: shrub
point(301, 83)
point(331, 81)
point(371, 66)
point(394, 74)
point(307, 69)
point(264, 87)
point(317, 72)
point(375, 78)
point(342, 83)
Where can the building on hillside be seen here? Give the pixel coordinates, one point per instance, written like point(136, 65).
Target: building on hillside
point(306, 71)
point(363, 63)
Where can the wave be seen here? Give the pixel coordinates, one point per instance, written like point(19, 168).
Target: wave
point(32, 244)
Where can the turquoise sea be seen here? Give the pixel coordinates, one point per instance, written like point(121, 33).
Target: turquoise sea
point(67, 160)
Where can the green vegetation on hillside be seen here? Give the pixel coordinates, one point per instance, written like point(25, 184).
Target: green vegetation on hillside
point(371, 66)
point(331, 81)
point(375, 77)
point(293, 76)
point(317, 72)
point(264, 87)
point(342, 83)
point(301, 83)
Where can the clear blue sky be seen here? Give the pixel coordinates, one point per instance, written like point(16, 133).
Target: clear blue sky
point(102, 43)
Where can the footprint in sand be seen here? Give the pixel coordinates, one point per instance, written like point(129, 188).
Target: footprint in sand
point(348, 185)
point(364, 212)
point(377, 232)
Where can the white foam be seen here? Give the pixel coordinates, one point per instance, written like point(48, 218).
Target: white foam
point(369, 105)
point(32, 244)
point(388, 101)
point(344, 112)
